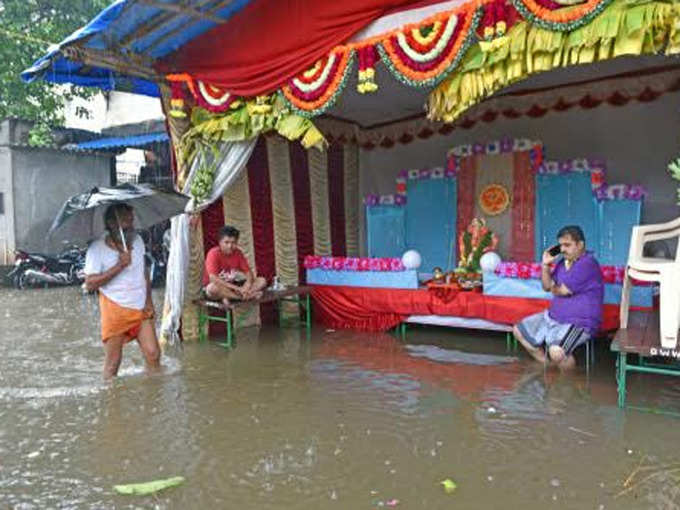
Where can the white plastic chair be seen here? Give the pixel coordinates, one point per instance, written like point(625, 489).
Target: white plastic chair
point(651, 269)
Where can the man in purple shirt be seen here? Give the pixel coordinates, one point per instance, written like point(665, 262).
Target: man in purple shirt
point(575, 313)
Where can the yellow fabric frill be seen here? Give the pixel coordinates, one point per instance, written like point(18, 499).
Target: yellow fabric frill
point(625, 28)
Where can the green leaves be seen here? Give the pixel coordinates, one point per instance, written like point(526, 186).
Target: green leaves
point(27, 28)
point(142, 489)
point(674, 169)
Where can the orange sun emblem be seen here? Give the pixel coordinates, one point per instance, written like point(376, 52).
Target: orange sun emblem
point(494, 199)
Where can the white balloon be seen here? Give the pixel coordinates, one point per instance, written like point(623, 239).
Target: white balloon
point(411, 259)
point(489, 261)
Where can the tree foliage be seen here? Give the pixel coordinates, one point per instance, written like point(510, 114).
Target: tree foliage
point(27, 28)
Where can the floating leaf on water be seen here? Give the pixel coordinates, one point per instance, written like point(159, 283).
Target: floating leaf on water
point(449, 485)
point(142, 489)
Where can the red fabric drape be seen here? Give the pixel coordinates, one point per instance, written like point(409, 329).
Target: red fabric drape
point(262, 217)
point(212, 220)
point(523, 207)
point(268, 42)
point(299, 165)
point(336, 198)
point(370, 309)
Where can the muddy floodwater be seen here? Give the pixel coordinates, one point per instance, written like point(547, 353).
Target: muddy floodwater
point(342, 420)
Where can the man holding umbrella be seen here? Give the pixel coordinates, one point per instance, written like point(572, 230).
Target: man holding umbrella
point(114, 266)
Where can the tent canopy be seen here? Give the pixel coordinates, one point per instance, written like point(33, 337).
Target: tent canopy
point(129, 35)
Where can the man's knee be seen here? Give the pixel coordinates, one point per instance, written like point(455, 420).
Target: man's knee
point(515, 331)
point(212, 290)
point(557, 354)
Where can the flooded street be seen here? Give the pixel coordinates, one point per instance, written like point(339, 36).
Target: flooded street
point(344, 420)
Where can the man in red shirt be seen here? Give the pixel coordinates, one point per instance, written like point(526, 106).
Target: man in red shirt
point(227, 274)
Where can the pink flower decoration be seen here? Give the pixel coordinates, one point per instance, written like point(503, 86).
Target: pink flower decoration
point(312, 261)
point(327, 262)
point(351, 263)
point(620, 272)
point(364, 264)
point(396, 265)
point(609, 274)
point(338, 263)
point(535, 270)
point(374, 265)
point(523, 270)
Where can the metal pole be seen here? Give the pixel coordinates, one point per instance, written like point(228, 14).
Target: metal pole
point(120, 231)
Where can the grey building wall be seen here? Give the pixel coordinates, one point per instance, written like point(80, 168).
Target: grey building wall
point(42, 180)
point(7, 204)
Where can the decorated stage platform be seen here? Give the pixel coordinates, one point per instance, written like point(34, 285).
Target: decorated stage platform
point(380, 309)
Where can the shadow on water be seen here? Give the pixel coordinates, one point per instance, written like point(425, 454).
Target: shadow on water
point(344, 420)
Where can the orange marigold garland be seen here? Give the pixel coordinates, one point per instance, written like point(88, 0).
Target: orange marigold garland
point(211, 97)
point(423, 56)
point(563, 19)
point(313, 91)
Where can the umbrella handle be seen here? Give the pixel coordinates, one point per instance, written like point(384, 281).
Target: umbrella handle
point(120, 232)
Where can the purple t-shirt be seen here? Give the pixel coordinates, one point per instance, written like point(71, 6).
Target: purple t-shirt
point(583, 307)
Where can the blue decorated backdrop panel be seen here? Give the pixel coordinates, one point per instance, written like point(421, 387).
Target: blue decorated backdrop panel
point(431, 221)
point(385, 231)
point(565, 199)
point(617, 220)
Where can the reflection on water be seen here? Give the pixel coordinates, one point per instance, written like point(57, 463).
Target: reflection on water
point(344, 420)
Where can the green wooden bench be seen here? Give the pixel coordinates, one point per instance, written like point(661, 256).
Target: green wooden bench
point(642, 339)
point(216, 311)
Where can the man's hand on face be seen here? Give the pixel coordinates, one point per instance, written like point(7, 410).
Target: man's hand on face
point(547, 258)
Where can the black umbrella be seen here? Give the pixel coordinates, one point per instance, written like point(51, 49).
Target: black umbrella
point(81, 218)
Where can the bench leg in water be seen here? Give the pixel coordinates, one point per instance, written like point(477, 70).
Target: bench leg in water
point(510, 342)
point(204, 319)
point(621, 369)
point(304, 303)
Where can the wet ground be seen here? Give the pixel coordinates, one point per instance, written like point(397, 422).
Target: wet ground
point(344, 420)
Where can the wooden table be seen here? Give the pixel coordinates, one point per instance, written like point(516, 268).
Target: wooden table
point(208, 308)
point(642, 338)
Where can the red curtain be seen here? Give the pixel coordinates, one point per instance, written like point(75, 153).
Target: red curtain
point(336, 198)
point(212, 220)
point(523, 207)
point(269, 42)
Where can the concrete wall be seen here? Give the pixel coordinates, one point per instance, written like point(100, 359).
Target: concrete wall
point(6, 216)
point(42, 180)
point(637, 141)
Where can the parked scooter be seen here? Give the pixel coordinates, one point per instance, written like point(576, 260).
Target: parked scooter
point(34, 269)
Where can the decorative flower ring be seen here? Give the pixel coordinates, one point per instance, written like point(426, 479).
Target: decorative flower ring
point(494, 199)
point(315, 90)
point(562, 19)
point(424, 55)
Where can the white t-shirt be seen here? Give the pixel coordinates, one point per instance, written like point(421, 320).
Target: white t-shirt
point(127, 288)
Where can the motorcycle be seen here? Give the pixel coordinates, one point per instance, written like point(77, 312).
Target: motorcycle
point(32, 269)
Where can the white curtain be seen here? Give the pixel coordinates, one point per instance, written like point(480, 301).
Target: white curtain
point(230, 159)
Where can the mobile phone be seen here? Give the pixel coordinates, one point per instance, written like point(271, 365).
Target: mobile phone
point(555, 250)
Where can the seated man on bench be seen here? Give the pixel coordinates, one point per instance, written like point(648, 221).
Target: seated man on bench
point(227, 275)
point(575, 312)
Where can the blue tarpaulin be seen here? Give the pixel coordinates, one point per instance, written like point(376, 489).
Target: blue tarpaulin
point(118, 26)
point(121, 141)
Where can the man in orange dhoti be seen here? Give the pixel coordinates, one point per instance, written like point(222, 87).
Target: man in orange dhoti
point(125, 303)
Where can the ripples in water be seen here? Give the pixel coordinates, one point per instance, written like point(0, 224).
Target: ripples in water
point(344, 420)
